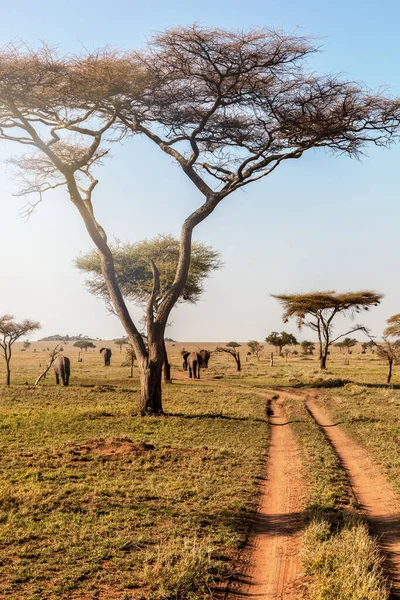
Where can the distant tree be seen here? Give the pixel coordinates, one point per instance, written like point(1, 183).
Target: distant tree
point(389, 350)
point(307, 348)
point(347, 344)
point(256, 348)
point(233, 345)
point(130, 357)
point(280, 340)
point(121, 342)
point(233, 352)
point(318, 310)
point(10, 332)
point(84, 345)
point(26, 344)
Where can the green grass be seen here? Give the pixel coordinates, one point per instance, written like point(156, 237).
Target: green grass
point(372, 417)
point(163, 519)
point(339, 555)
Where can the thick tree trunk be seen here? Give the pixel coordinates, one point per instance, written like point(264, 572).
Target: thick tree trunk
point(238, 364)
point(323, 361)
point(150, 383)
point(390, 370)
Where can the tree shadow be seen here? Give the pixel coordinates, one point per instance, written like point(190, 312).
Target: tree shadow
point(215, 416)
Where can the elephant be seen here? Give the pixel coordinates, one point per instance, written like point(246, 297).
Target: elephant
point(106, 352)
point(205, 355)
point(194, 362)
point(185, 357)
point(62, 368)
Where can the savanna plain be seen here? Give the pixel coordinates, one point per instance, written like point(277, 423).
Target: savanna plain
point(97, 502)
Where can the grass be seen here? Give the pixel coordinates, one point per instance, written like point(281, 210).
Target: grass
point(339, 555)
point(97, 503)
point(372, 417)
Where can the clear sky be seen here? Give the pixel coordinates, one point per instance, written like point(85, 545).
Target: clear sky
point(322, 222)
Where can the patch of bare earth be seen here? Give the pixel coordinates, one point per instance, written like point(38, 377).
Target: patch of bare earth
point(376, 496)
point(109, 448)
point(271, 566)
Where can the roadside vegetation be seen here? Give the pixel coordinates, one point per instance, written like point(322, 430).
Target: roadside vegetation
point(339, 555)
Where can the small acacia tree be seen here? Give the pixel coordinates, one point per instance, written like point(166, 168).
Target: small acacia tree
point(307, 348)
point(347, 343)
point(318, 310)
point(390, 349)
point(84, 345)
point(229, 107)
point(231, 348)
point(255, 348)
point(121, 342)
point(280, 340)
point(10, 332)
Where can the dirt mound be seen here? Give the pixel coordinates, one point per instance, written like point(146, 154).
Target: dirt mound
point(110, 448)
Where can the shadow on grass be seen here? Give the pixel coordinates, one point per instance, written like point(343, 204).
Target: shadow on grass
point(215, 416)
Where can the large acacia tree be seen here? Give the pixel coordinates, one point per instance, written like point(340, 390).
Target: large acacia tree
point(229, 107)
point(318, 310)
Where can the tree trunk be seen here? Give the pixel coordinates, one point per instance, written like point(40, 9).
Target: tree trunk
point(8, 373)
point(323, 361)
point(238, 364)
point(390, 370)
point(150, 383)
point(167, 366)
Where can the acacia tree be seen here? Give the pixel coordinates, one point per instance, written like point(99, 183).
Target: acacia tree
point(121, 342)
point(280, 340)
point(84, 345)
point(133, 270)
point(390, 349)
point(255, 348)
point(318, 310)
point(228, 106)
point(347, 343)
point(307, 348)
point(231, 348)
point(10, 332)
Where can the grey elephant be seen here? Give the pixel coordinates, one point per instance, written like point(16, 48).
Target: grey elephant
point(205, 356)
point(62, 368)
point(185, 356)
point(106, 352)
point(194, 362)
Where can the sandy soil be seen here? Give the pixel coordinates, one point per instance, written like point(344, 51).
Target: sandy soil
point(372, 490)
point(273, 568)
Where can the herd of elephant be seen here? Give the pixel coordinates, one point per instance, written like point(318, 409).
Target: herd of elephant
point(62, 365)
point(192, 362)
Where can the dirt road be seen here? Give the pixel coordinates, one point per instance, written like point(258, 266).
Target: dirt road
point(372, 490)
point(273, 566)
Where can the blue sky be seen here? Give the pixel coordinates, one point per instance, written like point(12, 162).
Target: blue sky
point(323, 222)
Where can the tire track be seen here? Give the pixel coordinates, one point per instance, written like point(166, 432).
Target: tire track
point(273, 567)
point(379, 502)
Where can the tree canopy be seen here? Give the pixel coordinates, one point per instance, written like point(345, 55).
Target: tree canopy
point(280, 340)
point(133, 267)
point(84, 344)
point(10, 332)
point(318, 310)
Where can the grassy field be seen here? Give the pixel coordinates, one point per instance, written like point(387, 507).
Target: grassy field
point(96, 502)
